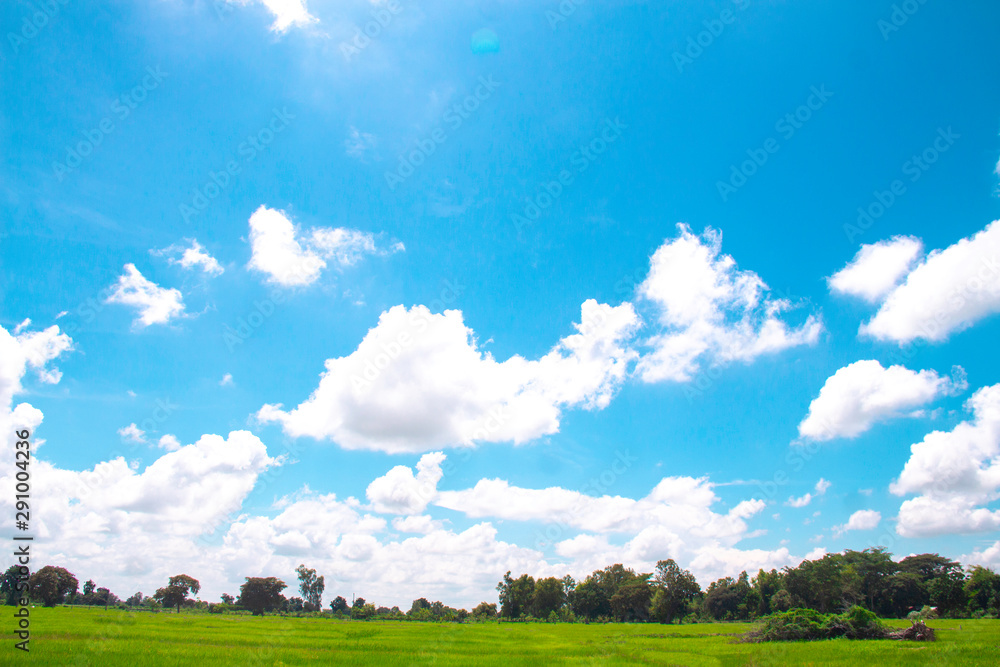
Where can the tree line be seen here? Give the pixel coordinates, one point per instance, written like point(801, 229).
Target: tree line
point(835, 582)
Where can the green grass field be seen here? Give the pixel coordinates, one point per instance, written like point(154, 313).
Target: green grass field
point(73, 636)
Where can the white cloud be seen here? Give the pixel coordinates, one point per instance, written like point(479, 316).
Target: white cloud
point(956, 474)
point(710, 311)
point(132, 434)
point(860, 520)
point(399, 492)
point(226, 380)
point(821, 486)
point(155, 304)
point(421, 524)
point(26, 350)
point(418, 381)
point(950, 291)
point(988, 557)
point(858, 396)
point(290, 258)
point(877, 268)
point(169, 442)
point(192, 257)
point(287, 13)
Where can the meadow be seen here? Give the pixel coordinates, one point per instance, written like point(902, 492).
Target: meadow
point(80, 636)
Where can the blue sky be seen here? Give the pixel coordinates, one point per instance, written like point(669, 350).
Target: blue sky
point(384, 288)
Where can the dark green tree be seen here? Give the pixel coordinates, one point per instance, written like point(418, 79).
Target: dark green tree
point(262, 594)
point(675, 589)
point(51, 585)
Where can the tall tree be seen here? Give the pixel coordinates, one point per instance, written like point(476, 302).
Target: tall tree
point(674, 590)
point(311, 588)
point(262, 594)
point(549, 596)
point(51, 585)
point(177, 590)
point(515, 595)
point(339, 604)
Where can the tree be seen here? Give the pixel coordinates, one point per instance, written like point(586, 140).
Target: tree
point(631, 601)
point(515, 595)
point(262, 594)
point(338, 604)
point(361, 609)
point(134, 600)
point(88, 588)
point(311, 588)
point(675, 589)
point(51, 585)
point(549, 596)
point(11, 587)
point(177, 590)
point(228, 599)
point(418, 605)
point(485, 610)
point(983, 590)
point(587, 600)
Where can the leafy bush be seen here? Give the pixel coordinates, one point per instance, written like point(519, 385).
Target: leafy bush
point(810, 625)
point(925, 614)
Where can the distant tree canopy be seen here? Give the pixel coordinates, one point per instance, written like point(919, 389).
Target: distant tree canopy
point(260, 594)
point(51, 585)
point(836, 582)
point(176, 592)
point(922, 585)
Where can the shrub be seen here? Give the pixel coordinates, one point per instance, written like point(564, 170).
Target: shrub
point(809, 625)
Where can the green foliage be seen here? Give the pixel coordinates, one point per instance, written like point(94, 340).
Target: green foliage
point(51, 585)
point(810, 625)
point(675, 590)
point(262, 594)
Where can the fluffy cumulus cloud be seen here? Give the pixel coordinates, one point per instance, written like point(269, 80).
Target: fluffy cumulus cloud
point(419, 381)
point(132, 528)
point(400, 492)
point(709, 311)
point(290, 257)
point(802, 501)
point(860, 520)
point(950, 291)
point(877, 268)
point(955, 475)
point(988, 557)
point(286, 13)
point(858, 396)
point(156, 305)
point(192, 256)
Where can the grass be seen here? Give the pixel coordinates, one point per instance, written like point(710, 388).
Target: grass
point(68, 636)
